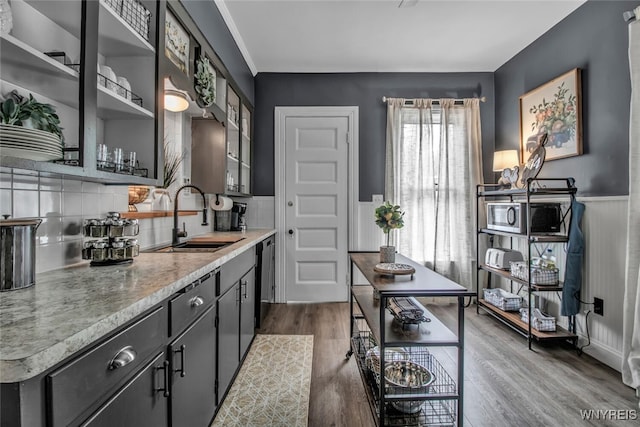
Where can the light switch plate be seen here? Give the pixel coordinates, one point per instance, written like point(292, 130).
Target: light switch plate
point(377, 198)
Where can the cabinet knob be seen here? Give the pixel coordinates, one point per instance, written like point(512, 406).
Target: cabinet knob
point(289, 203)
point(291, 231)
point(123, 358)
point(196, 302)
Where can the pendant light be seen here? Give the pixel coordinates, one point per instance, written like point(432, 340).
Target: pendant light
point(175, 101)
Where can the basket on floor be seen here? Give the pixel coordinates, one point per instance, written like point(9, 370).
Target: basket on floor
point(502, 299)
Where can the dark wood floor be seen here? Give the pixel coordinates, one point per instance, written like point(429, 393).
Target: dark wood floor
point(505, 383)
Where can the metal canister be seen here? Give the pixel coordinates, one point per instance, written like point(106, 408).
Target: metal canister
point(18, 252)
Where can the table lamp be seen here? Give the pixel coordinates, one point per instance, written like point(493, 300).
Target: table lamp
point(506, 162)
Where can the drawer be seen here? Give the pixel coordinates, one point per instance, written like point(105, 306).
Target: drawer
point(190, 303)
point(83, 382)
point(233, 270)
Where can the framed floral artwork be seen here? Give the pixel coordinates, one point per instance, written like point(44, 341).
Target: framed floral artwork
point(176, 43)
point(555, 109)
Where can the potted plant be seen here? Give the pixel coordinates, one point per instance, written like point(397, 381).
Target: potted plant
point(29, 113)
point(388, 217)
point(205, 82)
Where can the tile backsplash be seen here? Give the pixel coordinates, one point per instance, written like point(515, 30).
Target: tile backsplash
point(63, 204)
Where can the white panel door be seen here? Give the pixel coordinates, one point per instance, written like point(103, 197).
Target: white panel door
point(316, 176)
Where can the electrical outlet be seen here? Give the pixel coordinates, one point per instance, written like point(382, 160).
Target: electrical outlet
point(598, 306)
point(376, 199)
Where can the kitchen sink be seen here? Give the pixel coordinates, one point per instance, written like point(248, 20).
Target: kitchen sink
point(195, 247)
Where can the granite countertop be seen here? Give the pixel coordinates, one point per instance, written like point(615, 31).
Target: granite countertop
point(70, 308)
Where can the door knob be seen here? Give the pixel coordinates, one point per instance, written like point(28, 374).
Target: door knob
point(291, 231)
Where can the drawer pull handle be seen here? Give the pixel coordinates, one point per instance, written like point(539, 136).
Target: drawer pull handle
point(196, 302)
point(123, 358)
point(165, 375)
point(181, 370)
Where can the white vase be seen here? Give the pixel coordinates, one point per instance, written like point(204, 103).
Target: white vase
point(6, 19)
point(387, 254)
point(161, 201)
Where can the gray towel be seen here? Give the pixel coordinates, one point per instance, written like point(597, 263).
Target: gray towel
point(573, 270)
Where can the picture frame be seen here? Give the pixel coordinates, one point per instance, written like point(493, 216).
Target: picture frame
point(176, 43)
point(554, 108)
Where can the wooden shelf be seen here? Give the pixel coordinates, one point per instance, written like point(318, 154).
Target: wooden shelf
point(155, 214)
point(513, 320)
point(427, 333)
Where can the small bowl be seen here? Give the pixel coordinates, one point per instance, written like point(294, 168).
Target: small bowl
point(407, 377)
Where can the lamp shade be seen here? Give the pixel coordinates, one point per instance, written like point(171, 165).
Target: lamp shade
point(505, 159)
point(175, 101)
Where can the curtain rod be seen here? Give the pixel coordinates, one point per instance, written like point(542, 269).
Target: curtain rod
point(629, 16)
point(435, 101)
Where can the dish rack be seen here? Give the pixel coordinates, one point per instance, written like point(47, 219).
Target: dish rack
point(111, 240)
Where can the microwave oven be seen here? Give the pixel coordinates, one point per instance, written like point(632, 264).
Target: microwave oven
point(512, 217)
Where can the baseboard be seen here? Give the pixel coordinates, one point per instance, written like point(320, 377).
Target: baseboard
point(607, 355)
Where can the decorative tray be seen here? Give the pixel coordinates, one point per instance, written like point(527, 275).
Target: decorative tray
point(393, 268)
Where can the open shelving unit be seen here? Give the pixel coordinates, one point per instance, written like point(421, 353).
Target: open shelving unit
point(553, 188)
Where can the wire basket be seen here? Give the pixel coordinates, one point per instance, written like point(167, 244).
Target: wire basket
point(502, 299)
point(539, 276)
point(134, 14)
point(540, 321)
point(419, 410)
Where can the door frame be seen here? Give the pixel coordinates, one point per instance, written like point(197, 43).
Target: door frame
point(281, 114)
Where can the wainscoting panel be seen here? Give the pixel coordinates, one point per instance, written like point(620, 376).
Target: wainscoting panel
point(604, 226)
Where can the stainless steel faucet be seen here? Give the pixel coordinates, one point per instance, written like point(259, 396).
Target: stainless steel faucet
point(177, 233)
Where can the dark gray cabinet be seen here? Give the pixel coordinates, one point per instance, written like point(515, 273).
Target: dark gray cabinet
point(193, 373)
point(247, 310)
point(79, 386)
point(236, 316)
point(228, 337)
point(141, 402)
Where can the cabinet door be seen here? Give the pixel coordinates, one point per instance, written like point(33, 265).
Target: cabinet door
point(247, 310)
point(233, 142)
point(141, 402)
point(193, 373)
point(228, 337)
point(245, 150)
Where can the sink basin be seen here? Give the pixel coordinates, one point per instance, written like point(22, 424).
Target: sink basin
point(195, 247)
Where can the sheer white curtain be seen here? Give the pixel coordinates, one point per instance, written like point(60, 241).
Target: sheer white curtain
point(433, 165)
point(631, 319)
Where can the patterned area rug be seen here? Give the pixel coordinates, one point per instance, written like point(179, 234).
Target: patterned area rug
point(272, 387)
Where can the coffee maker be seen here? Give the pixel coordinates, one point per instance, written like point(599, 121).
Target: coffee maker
point(238, 221)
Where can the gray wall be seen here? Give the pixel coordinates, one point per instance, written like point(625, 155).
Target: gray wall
point(595, 39)
point(364, 90)
point(206, 15)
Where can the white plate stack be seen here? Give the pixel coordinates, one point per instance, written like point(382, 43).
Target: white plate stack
point(32, 144)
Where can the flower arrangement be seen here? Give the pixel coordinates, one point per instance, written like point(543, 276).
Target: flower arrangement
point(556, 117)
point(172, 162)
point(389, 217)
